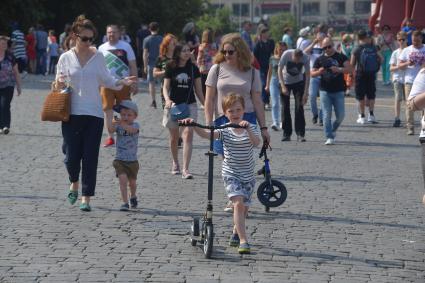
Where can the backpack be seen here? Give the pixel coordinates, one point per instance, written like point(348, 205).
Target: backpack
point(369, 60)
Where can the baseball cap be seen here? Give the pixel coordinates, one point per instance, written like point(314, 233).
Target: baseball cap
point(365, 33)
point(126, 104)
point(263, 28)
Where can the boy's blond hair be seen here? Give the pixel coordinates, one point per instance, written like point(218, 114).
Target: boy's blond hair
point(231, 99)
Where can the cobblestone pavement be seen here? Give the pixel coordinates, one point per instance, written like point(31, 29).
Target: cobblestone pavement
point(353, 212)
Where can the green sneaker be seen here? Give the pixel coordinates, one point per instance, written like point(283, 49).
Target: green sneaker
point(244, 248)
point(234, 240)
point(72, 196)
point(85, 206)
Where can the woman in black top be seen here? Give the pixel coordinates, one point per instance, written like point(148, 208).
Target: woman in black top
point(182, 81)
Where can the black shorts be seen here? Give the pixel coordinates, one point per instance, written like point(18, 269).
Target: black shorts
point(365, 86)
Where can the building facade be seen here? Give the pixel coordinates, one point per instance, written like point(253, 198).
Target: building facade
point(338, 13)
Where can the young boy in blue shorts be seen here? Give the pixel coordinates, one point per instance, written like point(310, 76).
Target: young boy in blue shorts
point(238, 164)
point(126, 164)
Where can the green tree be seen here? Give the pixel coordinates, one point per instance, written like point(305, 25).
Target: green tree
point(218, 20)
point(280, 21)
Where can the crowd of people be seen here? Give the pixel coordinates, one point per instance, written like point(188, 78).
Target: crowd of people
point(235, 78)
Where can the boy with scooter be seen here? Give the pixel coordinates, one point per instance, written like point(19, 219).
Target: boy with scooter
point(238, 164)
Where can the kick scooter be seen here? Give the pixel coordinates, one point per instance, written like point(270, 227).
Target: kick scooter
point(204, 232)
point(271, 192)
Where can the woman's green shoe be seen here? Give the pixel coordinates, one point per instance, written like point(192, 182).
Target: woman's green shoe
point(85, 206)
point(72, 196)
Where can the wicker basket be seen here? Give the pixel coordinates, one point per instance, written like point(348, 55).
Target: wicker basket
point(57, 105)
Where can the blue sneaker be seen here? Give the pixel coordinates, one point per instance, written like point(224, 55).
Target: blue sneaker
point(124, 207)
point(234, 240)
point(244, 248)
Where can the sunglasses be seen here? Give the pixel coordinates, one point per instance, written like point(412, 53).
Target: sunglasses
point(85, 38)
point(401, 39)
point(228, 52)
point(328, 47)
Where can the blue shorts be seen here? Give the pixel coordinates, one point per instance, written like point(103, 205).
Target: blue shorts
point(218, 144)
point(150, 78)
point(234, 187)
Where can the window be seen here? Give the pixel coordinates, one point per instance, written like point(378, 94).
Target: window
point(311, 9)
point(362, 7)
point(240, 10)
point(217, 6)
point(336, 8)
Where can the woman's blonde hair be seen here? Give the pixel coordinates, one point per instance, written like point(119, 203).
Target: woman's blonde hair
point(243, 53)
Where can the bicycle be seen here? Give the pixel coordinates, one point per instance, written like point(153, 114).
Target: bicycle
point(271, 192)
point(205, 233)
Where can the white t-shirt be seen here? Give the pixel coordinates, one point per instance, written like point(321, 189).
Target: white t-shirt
point(316, 52)
point(418, 86)
point(85, 82)
point(117, 57)
point(411, 71)
point(302, 43)
point(398, 75)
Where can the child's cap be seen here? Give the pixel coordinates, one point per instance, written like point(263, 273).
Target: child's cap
point(127, 104)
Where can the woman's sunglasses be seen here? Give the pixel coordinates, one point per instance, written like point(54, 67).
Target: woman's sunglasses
point(85, 38)
point(401, 39)
point(228, 52)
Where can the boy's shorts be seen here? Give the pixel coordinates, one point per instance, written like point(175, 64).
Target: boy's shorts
point(398, 91)
point(218, 144)
point(235, 187)
point(129, 168)
point(110, 97)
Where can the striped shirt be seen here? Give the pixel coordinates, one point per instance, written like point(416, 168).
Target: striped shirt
point(238, 154)
point(18, 40)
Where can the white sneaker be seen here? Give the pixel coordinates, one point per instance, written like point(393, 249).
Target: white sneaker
point(330, 142)
point(5, 130)
point(422, 133)
point(229, 207)
point(371, 119)
point(361, 120)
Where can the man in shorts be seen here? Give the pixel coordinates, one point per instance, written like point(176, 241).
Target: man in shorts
point(121, 62)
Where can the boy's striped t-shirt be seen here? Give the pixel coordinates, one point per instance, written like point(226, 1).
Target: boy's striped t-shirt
point(238, 154)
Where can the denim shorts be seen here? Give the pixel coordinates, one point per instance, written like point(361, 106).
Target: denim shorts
point(234, 187)
point(218, 144)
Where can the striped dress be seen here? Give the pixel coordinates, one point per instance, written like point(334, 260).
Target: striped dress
point(238, 154)
point(18, 40)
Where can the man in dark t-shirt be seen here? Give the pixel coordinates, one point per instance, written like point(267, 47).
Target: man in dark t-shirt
point(363, 57)
point(263, 49)
point(331, 67)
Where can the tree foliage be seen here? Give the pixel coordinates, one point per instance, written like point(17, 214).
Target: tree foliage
point(279, 22)
point(218, 20)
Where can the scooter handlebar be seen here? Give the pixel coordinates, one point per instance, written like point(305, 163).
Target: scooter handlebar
point(193, 124)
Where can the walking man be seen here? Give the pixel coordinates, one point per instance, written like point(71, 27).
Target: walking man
point(331, 67)
point(121, 63)
point(150, 54)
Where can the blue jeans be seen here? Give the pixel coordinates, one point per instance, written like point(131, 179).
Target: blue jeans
point(275, 99)
point(313, 92)
point(264, 94)
point(41, 61)
point(329, 100)
point(218, 144)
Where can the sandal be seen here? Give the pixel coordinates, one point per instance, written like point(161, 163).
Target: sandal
point(186, 175)
point(175, 169)
point(72, 196)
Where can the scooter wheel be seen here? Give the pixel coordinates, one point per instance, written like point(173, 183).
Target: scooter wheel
point(272, 195)
point(208, 241)
point(194, 231)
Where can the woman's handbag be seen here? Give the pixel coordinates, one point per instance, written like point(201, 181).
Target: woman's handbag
point(57, 105)
point(181, 111)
